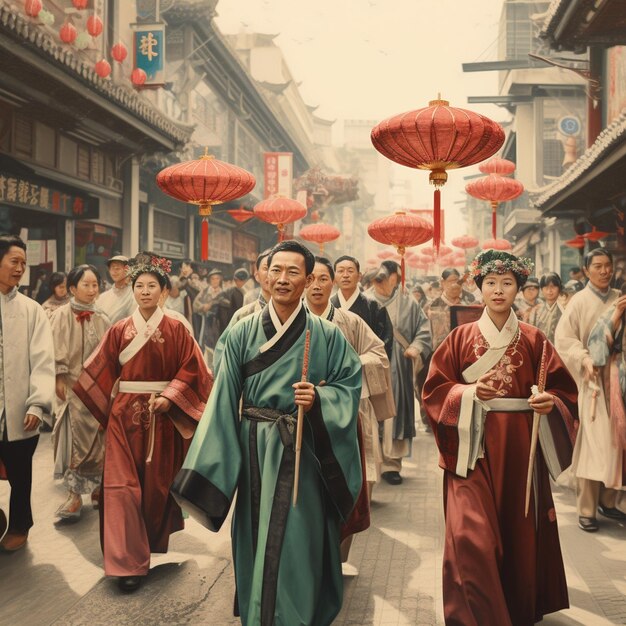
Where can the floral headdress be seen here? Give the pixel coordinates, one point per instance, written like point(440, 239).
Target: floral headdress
point(499, 262)
point(147, 262)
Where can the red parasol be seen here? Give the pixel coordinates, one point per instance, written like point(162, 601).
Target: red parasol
point(400, 230)
point(438, 138)
point(280, 210)
point(205, 182)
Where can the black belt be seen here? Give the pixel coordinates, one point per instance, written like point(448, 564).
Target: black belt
point(286, 422)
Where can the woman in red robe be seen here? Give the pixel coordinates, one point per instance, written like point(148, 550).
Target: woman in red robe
point(147, 385)
point(500, 566)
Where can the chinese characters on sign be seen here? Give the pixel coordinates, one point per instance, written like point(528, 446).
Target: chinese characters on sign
point(278, 173)
point(149, 44)
point(220, 244)
point(22, 192)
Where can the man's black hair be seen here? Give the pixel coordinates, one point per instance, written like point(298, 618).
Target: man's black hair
point(326, 262)
point(261, 256)
point(574, 270)
point(294, 246)
point(594, 253)
point(347, 257)
point(8, 241)
point(551, 278)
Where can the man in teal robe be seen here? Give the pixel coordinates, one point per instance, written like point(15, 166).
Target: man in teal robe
point(286, 558)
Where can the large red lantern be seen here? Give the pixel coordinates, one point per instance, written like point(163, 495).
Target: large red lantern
point(400, 230)
point(465, 242)
point(495, 189)
point(279, 210)
point(205, 182)
point(119, 52)
point(68, 33)
point(94, 25)
point(438, 138)
point(503, 167)
point(319, 233)
point(32, 8)
point(103, 68)
point(497, 244)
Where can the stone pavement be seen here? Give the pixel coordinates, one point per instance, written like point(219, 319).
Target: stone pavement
point(58, 578)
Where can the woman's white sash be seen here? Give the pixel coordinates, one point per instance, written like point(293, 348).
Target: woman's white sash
point(145, 330)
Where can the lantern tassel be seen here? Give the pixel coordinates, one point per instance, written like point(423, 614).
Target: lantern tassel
point(437, 222)
point(494, 218)
point(402, 269)
point(281, 233)
point(204, 239)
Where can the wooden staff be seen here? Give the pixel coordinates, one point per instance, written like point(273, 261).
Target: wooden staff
point(541, 385)
point(300, 423)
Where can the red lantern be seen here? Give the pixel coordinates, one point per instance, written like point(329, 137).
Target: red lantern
point(577, 242)
point(68, 33)
point(103, 68)
point(94, 25)
point(138, 77)
point(400, 230)
point(497, 244)
point(279, 210)
point(495, 189)
point(119, 52)
point(430, 251)
point(383, 255)
point(465, 241)
point(503, 167)
point(80, 4)
point(32, 8)
point(205, 182)
point(438, 138)
point(595, 235)
point(320, 234)
point(240, 214)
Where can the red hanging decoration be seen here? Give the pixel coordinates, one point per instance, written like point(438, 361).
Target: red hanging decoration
point(595, 235)
point(576, 242)
point(437, 138)
point(497, 244)
point(495, 189)
point(279, 210)
point(465, 241)
point(240, 214)
point(80, 4)
point(503, 167)
point(400, 230)
point(119, 52)
point(94, 25)
point(204, 239)
point(103, 68)
point(32, 8)
point(138, 77)
point(68, 33)
point(320, 234)
point(205, 182)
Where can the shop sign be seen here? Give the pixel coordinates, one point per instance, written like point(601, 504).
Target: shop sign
point(278, 174)
point(220, 244)
point(245, 246)
point(22, 192)
point(149, 43)
point(616, 82)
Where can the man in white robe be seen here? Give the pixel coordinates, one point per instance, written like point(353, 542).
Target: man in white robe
point(597, 461)
point(26, 390)
point(118, 302)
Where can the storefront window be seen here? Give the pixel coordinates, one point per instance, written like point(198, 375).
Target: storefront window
point(94, 244)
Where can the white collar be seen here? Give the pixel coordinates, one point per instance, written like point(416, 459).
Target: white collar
point(280, 328)
point(498, 338)
point(326, 313)
point(147, 326)
point(346, 304)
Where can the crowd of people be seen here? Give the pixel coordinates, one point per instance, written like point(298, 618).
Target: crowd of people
point(299, 395)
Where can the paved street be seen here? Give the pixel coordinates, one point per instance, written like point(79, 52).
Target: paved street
point(58, 579)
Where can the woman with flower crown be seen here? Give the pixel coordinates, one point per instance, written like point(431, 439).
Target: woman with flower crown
point(501, 566)
point(147, 385)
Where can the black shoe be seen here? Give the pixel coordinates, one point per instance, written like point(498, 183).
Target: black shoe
point(611, 512)
point(128, 584)
point(588, 524)
point(393, 478)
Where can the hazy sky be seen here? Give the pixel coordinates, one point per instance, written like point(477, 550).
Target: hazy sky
point(370, 59)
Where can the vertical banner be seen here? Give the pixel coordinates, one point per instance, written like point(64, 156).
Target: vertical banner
point(149, 44)
point(278, 174)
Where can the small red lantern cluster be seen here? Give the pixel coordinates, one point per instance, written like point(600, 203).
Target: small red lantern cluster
point(279, 210)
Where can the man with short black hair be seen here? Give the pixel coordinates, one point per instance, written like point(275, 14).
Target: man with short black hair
point(245, 443)
point(26, 391)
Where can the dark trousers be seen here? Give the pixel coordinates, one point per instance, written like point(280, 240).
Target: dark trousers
point(17, 457)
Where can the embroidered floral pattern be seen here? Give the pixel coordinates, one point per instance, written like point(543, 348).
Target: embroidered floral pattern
point(130, 333)
point(503, 373)
point(157, 337)
point(141, 414)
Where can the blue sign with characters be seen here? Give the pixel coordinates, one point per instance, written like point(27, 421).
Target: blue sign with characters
point(150, 52)
point(569, 125)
